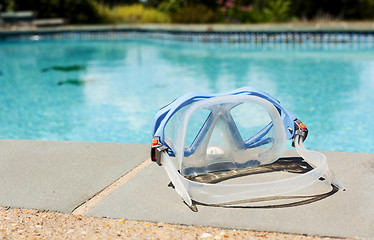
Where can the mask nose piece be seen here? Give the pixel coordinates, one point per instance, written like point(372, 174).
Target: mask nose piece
point(215, 152)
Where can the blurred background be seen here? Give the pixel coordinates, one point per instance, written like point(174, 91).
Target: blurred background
point(194, 11)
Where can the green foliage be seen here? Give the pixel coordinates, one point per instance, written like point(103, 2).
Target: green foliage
point(80, 11)
point(183, 11)
point(135, 13)
point(9, 5)
point(335, 9)
point(366, 9)
point(152, 15)
point(172, 6)
point(128, 14)
point(285, 10)
point(74, 11)
point(104, 13)
point(262, 11)
point(193, 11)
point(113, 3)
point(193, 14)
point(277, 11)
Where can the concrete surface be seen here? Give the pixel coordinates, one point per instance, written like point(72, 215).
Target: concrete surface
point(59, 176)
point(339, 26)
point(343, 214)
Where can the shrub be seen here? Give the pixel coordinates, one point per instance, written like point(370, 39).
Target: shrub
point(74, 11)
point(171, 6)
point(277, 11)
point(152, 15)
point(104, 12)
point(78, 11)
point(136, 13)
point(193, 14)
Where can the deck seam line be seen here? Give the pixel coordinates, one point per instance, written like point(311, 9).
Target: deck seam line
point(84, 208)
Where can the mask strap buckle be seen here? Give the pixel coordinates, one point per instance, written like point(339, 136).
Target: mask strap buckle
point(300, 130)
point(157, 149)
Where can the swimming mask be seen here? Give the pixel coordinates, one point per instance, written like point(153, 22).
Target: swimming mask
point(203, 134)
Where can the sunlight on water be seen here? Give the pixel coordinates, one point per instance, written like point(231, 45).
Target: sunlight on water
point(110, 90)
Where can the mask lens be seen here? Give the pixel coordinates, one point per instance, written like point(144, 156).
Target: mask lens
point(226, 133)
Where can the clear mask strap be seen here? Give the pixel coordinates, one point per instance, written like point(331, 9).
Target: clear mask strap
point(314, 159)
point(224, 193)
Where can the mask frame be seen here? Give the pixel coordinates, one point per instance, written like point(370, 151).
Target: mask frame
point(287, 128)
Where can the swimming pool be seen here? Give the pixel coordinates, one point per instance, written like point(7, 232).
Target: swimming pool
point(110, 90)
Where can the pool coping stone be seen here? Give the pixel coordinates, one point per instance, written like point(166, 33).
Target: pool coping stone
point(223, 28)
point(60, 176)
point(349, 213)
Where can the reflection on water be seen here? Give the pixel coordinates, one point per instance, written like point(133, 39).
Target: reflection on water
point(68, 68)
point(120, 85)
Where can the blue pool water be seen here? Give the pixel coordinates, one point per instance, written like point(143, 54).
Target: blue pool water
point(109, 91)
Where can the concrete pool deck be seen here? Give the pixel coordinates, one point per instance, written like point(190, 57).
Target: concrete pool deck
point(66, 176)
point(179, 30)
point(339, 26)
point(303, 33)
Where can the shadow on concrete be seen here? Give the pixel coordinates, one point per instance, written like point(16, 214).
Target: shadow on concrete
point(290, 164)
